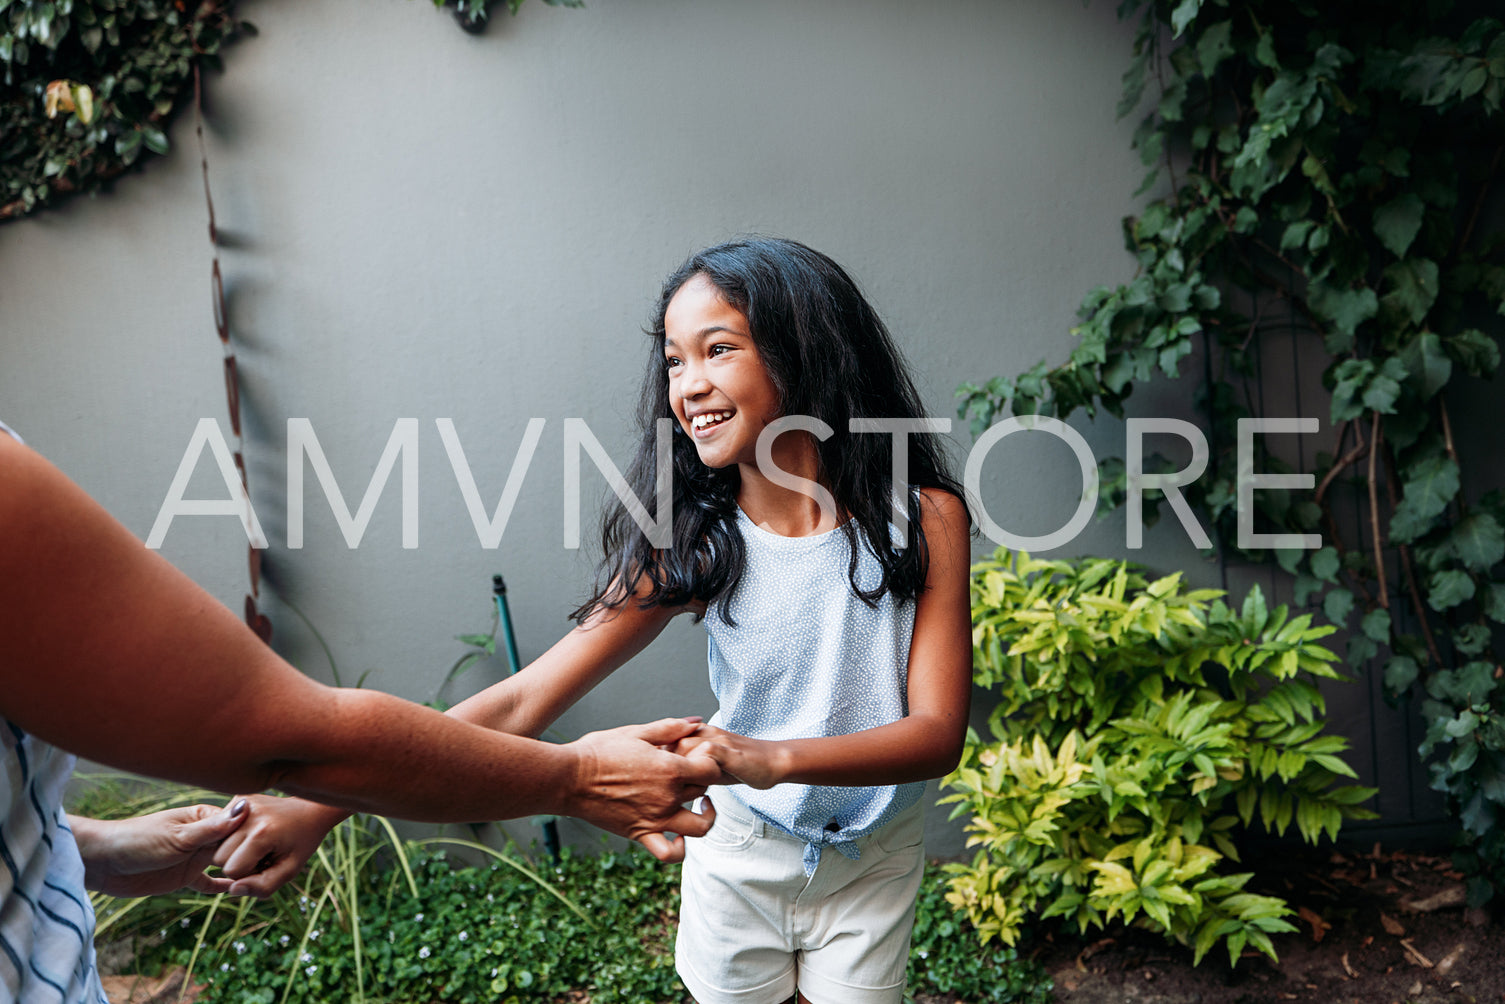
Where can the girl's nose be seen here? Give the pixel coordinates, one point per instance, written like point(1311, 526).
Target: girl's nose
point(693, 381)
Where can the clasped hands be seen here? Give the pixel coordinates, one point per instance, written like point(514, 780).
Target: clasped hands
point(632, 781)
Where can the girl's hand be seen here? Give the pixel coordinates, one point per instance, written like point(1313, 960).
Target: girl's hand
point(275, 842)
point(753, 762)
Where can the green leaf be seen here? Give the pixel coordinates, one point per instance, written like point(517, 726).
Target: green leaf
point(1376, 625)
point(1400, 672)
point(1384, 387)
point(1337, 605)
point(1427, 365)
point(1397, 223)
point(1345, 308)
point(1413, 287)
point(1429, 485)
point(1325, 565)
point(1494, 602)
point(1475, 351)
point(1448, 588)
point(1184, 14)
point(1214, 46)
point(1478, 541)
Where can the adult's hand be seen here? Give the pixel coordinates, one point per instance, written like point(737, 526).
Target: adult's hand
point(157, 853)
point(629, 783)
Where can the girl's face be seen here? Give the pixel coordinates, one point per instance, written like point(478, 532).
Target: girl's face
point(719, 388)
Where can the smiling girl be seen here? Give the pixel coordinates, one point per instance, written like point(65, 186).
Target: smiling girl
point(837, 608)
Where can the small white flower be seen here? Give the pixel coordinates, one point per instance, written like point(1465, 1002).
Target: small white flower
point(162, 933)
point(464, 936)
point(305, 957)
point(283, 940)
point(314, 934)
point(423, 952)
point(224, 967)
point(311, 970)
point(240, 948)
point(419, 918)
point(489, 897)
point(924, 954)
point(493, 973)
point(183, 922)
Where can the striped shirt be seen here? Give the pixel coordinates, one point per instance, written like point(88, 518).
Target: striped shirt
point(46, 922)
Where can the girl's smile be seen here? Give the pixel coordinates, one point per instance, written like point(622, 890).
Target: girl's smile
point(719, 388)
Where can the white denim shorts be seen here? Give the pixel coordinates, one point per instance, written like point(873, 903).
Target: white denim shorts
point(753, 927)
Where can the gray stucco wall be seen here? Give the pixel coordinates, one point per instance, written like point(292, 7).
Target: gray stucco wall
point(424, 224)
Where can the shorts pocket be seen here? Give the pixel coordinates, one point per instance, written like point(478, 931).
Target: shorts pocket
point(728, 833)
point(904, 832)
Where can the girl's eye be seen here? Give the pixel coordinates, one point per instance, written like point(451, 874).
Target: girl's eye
point(671, 362)
point(720, 349)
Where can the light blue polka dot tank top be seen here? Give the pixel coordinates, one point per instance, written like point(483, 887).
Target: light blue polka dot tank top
point(807, 658)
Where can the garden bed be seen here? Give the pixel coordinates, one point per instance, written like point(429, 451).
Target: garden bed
point(1376, 927)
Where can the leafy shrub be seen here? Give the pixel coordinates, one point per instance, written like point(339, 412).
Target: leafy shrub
point(944, 956)
point(1140, 725)
point(1340, 158)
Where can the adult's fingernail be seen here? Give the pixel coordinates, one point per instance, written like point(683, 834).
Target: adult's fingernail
point(237, 807)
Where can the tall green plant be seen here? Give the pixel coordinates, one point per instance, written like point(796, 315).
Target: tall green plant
point(1328, 170)
point(1139, 726)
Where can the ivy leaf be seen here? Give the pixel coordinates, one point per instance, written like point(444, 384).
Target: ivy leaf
point(1448, 588)
point(1183, 15)
point(1295, 234)
point(1471, 639)
point(1360, 651)
point(1325, 566)
point(1430, 486)
point(1346, 308)
point(1397, 223)
point(1476, 351)
point(1214, 46)
point(1413, 287)
point(1478, 541)
point(1494, 602)
point(1470, 683)
point(1376, 625)
point(1400, 672)
point(1384, 387)
point(1337, 605)
point(1351, 376)
point(1427, 365)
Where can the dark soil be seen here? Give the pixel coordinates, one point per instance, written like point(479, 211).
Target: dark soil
point(1376, 927)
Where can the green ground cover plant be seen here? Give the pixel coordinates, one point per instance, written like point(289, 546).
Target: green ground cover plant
point(378, 919)
point(1140, 727)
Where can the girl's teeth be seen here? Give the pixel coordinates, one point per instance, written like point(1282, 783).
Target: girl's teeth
point(710, 418)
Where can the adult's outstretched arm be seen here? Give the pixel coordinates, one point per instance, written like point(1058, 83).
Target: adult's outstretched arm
point(110, 652)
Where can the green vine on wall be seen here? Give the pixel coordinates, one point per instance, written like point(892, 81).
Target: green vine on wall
point(1333, 168)
point(92, 85)
point(473, 14)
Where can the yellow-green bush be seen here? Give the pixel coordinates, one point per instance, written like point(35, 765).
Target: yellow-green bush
point(1140, 727)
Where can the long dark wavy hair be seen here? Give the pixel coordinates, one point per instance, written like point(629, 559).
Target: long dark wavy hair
point(830, 357)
